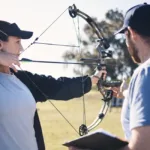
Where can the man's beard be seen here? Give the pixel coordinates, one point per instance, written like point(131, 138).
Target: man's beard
point(133, 51)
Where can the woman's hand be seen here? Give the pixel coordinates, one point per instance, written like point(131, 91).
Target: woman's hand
point(98, 74)
point(9, 60)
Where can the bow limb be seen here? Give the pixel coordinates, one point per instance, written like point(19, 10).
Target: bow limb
point(100, 117)
point(73, 11)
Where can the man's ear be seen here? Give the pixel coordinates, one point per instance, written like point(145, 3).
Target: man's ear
point(133, 34)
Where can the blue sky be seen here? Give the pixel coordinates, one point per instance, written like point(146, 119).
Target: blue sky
point(36, 15)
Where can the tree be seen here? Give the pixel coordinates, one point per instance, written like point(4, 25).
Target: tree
point(123, 65)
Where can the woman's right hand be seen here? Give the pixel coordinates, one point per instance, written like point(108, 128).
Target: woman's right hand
point(9, 60)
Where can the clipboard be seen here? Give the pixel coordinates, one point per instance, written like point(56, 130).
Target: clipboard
point(98, 140)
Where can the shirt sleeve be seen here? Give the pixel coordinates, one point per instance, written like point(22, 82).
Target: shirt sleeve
point(140, 99)
point(45, 87)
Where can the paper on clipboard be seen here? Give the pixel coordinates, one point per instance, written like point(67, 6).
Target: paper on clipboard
point(98, 140)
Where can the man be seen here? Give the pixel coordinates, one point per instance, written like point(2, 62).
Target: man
point(20, 127)
point(135, 116)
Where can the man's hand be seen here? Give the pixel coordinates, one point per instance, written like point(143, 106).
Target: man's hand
point(119, 92)
point(9, 60)
point(124, 86)
point(98, 74)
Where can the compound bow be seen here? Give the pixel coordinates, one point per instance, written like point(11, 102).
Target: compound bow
point(100, 62)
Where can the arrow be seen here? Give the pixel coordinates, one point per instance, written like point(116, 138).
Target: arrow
point(56, 62)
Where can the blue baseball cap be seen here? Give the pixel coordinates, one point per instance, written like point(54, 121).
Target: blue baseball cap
point(12, 29)
point(138, 18)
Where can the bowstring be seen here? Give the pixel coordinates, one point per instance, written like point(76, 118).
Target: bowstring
point(81, 54)
point(84, 107)
point(46, 97)
point(36, 84)
point(46, 29)
point(77, 31)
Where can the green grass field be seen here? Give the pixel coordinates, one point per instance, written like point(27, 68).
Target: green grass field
point(57, 131)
